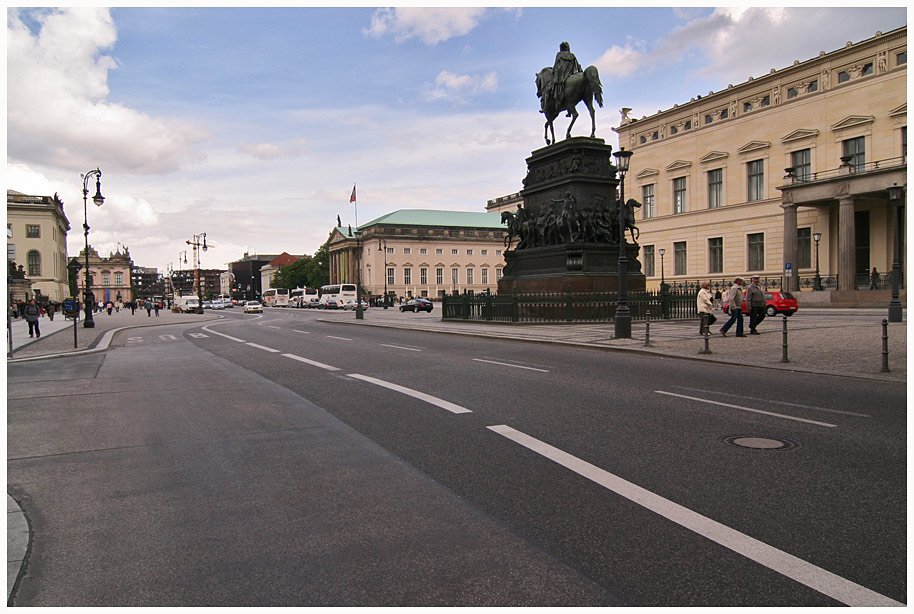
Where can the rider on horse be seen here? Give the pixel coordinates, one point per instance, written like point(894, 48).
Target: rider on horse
point(565, 64)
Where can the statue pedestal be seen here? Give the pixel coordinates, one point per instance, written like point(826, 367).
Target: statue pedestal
point(569, 225)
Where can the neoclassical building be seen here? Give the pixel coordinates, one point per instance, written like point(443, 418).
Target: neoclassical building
point(421, 253)
point(36, 229)
point(110, 277)
point(743, 180)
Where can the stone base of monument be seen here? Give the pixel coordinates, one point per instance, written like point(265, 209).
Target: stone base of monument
point(582, 267)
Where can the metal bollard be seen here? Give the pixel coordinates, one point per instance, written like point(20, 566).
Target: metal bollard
point(707, 335)
point(784, 353)
point(647, 330)
point(885, 346)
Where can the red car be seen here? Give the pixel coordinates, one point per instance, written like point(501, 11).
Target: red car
point(777, 301)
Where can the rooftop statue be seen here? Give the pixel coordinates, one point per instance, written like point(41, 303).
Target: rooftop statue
point(563, 86)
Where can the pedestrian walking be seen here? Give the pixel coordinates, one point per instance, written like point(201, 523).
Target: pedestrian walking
point(110, 307)
point(705, 307)
point(158, 306)
point(734, 308)
point(874, 279)
point(717, 297)
point(32, 312)
point(51, 310)
point(133, 308)
point(148, 309)
point(755, 299)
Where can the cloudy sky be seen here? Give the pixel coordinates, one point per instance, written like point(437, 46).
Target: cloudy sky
point(253, 124)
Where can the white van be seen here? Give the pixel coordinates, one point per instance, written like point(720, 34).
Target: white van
point(187, 304)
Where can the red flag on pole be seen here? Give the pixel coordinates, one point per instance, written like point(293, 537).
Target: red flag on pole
point(352, 198)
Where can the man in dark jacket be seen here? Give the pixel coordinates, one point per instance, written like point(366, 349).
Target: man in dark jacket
point(755, 300)
point(32, 312)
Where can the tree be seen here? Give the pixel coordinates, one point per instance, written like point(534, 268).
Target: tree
point(292, 276)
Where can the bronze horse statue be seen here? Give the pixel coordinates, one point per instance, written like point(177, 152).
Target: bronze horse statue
point(579, 87)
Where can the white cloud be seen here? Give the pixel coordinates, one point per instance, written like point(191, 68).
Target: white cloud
point(430, 25)
point(57, 112)
point(272, 151)
point(458, 87)
point(620, 61)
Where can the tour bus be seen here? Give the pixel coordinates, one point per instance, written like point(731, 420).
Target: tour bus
point(276, 297)
point(304, 297)
point(338, 292)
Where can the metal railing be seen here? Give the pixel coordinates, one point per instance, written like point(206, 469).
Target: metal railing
point(848, 169)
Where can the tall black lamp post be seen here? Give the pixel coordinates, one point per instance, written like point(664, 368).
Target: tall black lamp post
point(197, 281)
point(623, 319)
point(817, 283)
point(662, 279)
point(359, 315)
point(385, 270)
point(98, 199)
point(895, 193)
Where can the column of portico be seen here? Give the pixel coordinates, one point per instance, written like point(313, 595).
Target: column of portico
point(792, 283)
point(847, 244)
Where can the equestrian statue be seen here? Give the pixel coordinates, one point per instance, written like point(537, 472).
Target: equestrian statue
point(563, 86)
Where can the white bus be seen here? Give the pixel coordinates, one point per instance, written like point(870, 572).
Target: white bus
point(304, 297)
point(276, 297)
point(338, 292)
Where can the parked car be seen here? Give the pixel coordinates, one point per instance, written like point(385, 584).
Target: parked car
point(416, 305)
point(351, 305)
point(207, 304)
point(332, 303)
point(253, 307)
point(777, 301)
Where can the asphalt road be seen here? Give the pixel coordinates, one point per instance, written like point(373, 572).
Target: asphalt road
point(278, 459)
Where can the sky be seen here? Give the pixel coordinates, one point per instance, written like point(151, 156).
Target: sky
point(252, 125)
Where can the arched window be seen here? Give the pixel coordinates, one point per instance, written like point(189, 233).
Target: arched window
point(34, 262)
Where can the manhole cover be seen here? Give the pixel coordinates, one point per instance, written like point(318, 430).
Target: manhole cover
point(759, 443)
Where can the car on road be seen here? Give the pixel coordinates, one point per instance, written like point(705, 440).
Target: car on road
point(332, 303)
point(351, 305)
point(253, 307)
point(416, 305)
point(777, 301)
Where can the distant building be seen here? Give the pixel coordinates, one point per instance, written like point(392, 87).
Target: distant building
point(421, 253)
point(271, 268)
point(741, 181)
point(248, 281)
point(147, 282)
point(182, 282)
point(36, 229)
point(109, 277)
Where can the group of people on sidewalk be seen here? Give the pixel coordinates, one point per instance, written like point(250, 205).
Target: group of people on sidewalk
point(755, 301)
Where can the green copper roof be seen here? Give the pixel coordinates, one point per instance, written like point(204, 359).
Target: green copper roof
point(431, 217)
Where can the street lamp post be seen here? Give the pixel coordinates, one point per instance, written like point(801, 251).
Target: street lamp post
point(662, 279)
point(623, 319)
point(74, 266)
point(384, 274)
point(895, 311)
point(359, 315)
point(197, 282)
point(98, 199)
point(817, 284)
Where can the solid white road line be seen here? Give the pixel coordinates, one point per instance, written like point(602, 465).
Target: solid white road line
point(304, 332)
point(271, 326)
point(819, 579)
point(755, 411)
point(398, 347)
point(311, 362)
point(505, 364)
point(224, 335)
point(340, 338)
point(740, 396)
point(451, 407)
point(197, 335)
point(261, 347)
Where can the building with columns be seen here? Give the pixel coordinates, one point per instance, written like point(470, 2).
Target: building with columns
point(421, 253)
point(36, 229)
point(742, 181)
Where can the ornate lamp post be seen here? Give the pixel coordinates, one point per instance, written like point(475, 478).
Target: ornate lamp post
point(98, 199)
point(895, 193)
point(817, 284)
point(623, 319)
point(662, 280)
point(197, 282)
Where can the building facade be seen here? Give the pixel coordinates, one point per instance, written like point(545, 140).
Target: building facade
point(744, 180)
point(271, 268)
point(246, 273)
point(421, 253)
point(183, 282)
point(36, 229)
point(109, 277)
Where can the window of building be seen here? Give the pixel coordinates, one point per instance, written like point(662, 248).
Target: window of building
point(423, 277)
point(813, 86)
point(867, 69)
point(901, 58)
point(498, 252)
point(390, 276)
point(655, 136)
point(33, 259)
point(390, 250)
point(756, 180)
point(756, 244)
point(708, 119)
point(485, 252)
point(679, 195)
point(106, 279)
point(643, 139)
point(792, 93)
point(453, 252)
point(469, 252)
point(688, 125)
point(674, 130)
point(648, 260)
point(439, 251)
point(856, 148)
point(407, 250)
point(747, 106)
point(469, 276)
point(724, 114)
point(9, 231)
point(679, 258)
point(801, 163)
point(423, 251)
point(455, 276)
point(766, 101)
point(484, 276)
point(498, 273)
point(33, 231)
point(647, 195)
point(439, 277)
point(716, 255)
point(715, 188)
point(118, 279)
point(804, 248)
point(407, 276)
point(904, 141)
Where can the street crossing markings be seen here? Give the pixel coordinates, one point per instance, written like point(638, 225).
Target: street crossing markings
point(755, 411)
point(505, 364)
point(826, 582)
point(451, 407)
point(197, 335)
point(400, 347)
point(134, 340)
point(168, 338)
point(340, 338)
point(311, 362)
point(261, 347)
